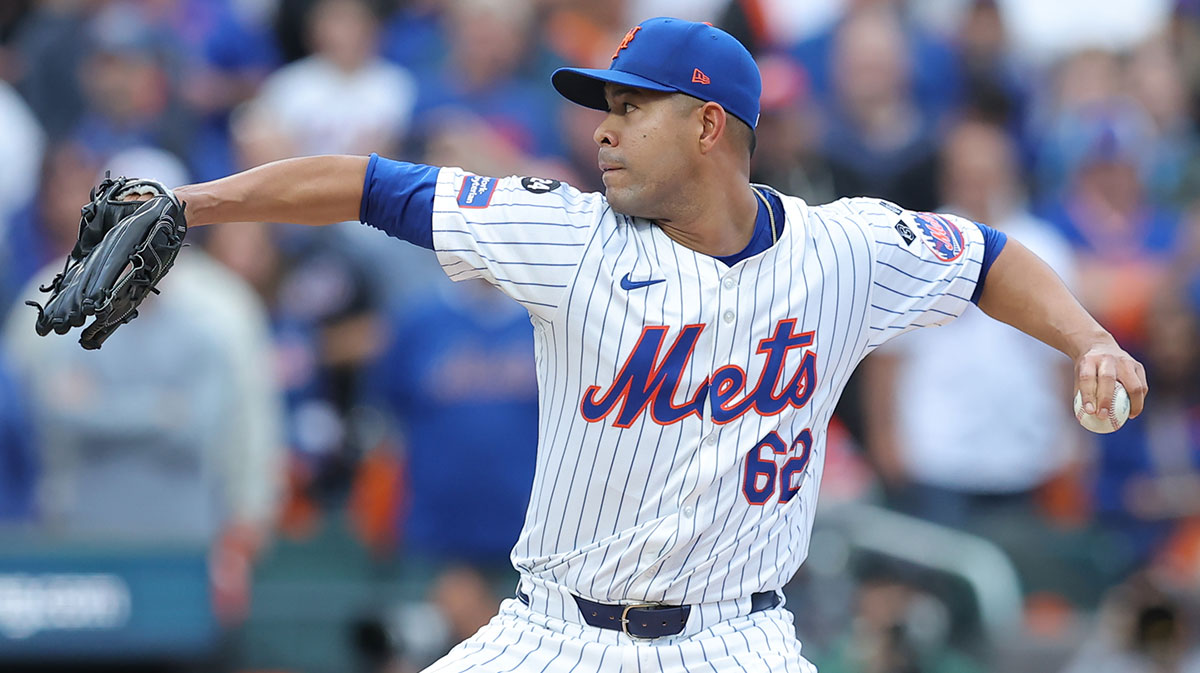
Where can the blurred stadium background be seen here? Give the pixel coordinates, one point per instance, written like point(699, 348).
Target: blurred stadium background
point(312, 452)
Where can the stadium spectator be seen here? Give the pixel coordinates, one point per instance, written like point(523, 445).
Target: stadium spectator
point(993, 83)
point(878, 140)
point(1122, 239)
point(18, 447)
point(323, 289)
point(1142, 98)
point(1046, 31)
point(920, 66)
point(130, 96)
point(1081, 84)
point(458, 378)
point(495, 71)
point(344, 98)
point(230, 50)
point(21, 147)
point(321, 309)
point(189, 453)
point(1147, 476)
point(1170, 488)
point(965, 460)
point(49, 48)
point(941, 437)
point(415, 35)
point(1154, 76)
point(792, 160)
point(47, 224)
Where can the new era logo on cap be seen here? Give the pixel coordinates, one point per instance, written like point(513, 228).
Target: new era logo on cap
point(700, 78)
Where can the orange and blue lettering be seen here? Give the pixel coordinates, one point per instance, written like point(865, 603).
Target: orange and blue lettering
point(730, 380)
point(645, 380)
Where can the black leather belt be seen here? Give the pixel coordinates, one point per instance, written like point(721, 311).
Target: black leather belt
point(649, 620)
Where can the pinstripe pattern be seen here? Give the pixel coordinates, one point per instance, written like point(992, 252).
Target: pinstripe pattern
point(648, 511)
point(526, 640)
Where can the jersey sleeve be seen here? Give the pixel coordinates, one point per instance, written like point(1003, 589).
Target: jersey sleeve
point(526, 235)
point(925, 270)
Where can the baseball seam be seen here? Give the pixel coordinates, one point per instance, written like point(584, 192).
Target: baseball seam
point(1112, 412)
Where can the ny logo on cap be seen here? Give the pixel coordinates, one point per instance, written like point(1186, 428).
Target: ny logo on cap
point(625, 42)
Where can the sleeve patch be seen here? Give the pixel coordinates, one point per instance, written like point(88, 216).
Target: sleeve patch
point(906, 233)
point(476, 191)
point(891, 206)
point(539, 185)
point(941, 236)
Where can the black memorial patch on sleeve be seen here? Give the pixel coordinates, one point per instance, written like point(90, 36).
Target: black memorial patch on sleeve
point(539, 185)
point(905, 233)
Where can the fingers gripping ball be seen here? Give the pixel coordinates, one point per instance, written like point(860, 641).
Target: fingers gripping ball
point(1118, 412)
point(125, 247)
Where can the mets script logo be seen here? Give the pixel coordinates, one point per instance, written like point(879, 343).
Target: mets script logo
point(648, 381)
point(940, 235)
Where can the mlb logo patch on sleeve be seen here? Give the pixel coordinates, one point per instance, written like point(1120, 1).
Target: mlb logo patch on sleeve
point(476, 191)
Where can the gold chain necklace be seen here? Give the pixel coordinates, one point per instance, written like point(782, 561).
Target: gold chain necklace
point(770, 213)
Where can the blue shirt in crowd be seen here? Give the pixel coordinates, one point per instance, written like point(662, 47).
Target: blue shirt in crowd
point(459, 377)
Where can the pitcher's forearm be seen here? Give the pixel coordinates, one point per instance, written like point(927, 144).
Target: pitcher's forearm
point(1024, 292)
point(306, 190)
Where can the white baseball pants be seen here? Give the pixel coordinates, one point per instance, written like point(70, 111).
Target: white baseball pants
point(549, 636)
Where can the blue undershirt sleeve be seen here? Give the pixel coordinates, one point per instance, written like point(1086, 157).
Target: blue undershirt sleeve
point(398, 199)
point(993, 243)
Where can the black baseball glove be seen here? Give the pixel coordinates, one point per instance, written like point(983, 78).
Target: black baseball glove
point(125, 247)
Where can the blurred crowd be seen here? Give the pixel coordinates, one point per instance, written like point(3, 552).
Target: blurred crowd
point(291, 381)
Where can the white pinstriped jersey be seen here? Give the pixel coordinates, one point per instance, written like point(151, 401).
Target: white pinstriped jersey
point(684, 403)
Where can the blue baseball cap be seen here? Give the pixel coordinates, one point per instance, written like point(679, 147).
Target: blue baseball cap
point(666, 54)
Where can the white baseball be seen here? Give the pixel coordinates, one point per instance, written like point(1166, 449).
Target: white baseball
point(1118, 412)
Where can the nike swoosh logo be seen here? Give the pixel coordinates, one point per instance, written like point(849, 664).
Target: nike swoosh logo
point(627, 284)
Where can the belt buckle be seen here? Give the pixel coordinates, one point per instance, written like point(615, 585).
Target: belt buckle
point(625, 619)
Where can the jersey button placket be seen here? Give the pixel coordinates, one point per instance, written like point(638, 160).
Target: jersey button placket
point(729, 284)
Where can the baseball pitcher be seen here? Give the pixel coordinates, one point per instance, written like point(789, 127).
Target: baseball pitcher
point(693, 334)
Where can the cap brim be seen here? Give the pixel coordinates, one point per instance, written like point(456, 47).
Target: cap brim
point(585, 86)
